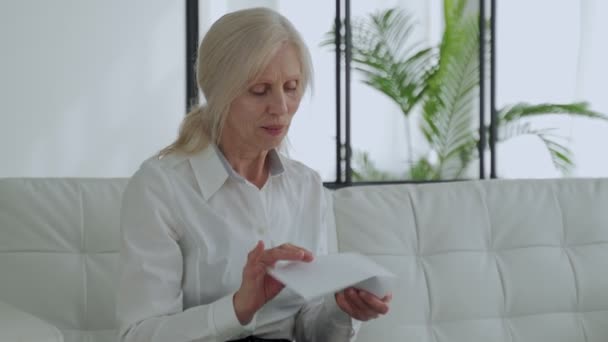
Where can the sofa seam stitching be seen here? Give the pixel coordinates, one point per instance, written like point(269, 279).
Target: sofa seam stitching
point(421, 263)
point(570, 262)
point(484, 195)
point(83, 255)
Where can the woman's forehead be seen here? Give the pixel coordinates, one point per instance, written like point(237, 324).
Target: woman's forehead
point(284, 65)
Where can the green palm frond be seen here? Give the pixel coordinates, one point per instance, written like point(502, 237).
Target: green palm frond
point(523, 110)
point(386, 56)
point(561, 155)
point(453, 10)
point(513, 121)
point(386, 33)
point(510, 130)
point(403, 82)
point(364, 169)
point(422, 170)
point(448, 109)
point(443, 82)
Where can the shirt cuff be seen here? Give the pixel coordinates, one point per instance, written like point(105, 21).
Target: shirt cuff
point(225, 322)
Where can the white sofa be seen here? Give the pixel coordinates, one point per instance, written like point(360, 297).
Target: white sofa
point(477, 261)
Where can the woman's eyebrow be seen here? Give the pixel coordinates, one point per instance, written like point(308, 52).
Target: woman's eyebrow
point(293, 77)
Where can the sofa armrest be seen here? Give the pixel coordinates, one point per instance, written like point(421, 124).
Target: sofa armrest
point(16, 325)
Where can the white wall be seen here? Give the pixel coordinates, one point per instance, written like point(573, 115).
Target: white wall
point(89, 88)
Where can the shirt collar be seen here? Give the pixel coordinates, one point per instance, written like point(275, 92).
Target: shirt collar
point(211, 169)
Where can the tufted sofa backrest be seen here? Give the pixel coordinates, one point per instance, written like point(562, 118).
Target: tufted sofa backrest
point(59, 244)
point(521, 261)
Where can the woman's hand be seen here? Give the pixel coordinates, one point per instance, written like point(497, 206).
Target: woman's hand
point(258, 287)
point(362, 305)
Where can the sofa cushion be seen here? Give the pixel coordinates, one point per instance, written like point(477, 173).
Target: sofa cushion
point(16, 325)
point(59, 251)
point(477, 261)
point(500, 260)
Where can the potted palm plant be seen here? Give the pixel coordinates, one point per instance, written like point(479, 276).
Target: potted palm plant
point(442, 84)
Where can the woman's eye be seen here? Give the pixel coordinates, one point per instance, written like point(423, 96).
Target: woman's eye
point(258, 90)
point(291, 86)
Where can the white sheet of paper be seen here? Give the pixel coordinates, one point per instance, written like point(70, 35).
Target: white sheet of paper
point(330, 273)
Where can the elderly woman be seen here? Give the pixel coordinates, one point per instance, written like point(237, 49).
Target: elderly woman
point(203, 220)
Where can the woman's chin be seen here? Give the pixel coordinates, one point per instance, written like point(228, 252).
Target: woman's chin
point(275, 144)
point(270, 143)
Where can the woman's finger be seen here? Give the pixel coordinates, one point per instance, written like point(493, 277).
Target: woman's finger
point(259, 271)
point(358, 304)
point(252, 266)
point(271, 256)
point(255, 253)
point(387, 299)
point(374, 303)
point(345, 305)
point(308, 256)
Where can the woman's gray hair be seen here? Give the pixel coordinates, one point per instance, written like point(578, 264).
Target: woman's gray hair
point(235, 51)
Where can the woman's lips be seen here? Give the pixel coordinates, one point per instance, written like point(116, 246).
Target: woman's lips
point(274, 130)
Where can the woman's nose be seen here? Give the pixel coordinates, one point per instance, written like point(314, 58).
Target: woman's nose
point(278, 103)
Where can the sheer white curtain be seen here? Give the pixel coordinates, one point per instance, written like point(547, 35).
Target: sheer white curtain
point(590, 138)
point(553, 51)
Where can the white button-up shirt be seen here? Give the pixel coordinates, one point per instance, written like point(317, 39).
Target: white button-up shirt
point(187, 225)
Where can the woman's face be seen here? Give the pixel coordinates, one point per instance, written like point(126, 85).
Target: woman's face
point(260, 117)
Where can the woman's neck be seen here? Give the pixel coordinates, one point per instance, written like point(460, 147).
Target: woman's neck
point(251, 165)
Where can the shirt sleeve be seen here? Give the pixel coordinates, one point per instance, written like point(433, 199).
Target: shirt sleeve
point(322, 319)
point(149, 303)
